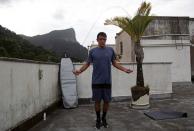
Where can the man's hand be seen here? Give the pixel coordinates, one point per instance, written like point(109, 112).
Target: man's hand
point(82, 69)
point(76, 72)
point(128, 71)
point(118, 66)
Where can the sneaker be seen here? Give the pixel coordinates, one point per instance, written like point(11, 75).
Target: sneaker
point(98, 124)
point(104, 123)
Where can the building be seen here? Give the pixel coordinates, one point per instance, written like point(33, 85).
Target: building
point(124, 48)
point(167, 39)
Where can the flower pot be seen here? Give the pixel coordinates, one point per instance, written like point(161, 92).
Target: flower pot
point(140, 97)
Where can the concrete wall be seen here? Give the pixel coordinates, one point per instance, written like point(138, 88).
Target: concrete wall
point(165, 26)
point(167, 51)
point(191, 30)
point(22, 94)
point(156, 75)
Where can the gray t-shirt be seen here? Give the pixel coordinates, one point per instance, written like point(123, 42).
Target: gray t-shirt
point(101, 59)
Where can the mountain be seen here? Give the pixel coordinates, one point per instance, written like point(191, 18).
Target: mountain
point(62, 42)
point(14, 46)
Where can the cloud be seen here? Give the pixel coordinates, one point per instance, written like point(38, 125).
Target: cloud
point(59, 15)
point(4, 1)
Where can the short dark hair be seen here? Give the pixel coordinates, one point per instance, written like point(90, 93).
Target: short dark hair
point(101, 34)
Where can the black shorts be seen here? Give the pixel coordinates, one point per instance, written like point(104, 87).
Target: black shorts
point(101, 92)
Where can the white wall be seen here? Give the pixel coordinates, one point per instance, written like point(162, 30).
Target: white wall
point(22, 94)
point(156, 75)
point(166, 51)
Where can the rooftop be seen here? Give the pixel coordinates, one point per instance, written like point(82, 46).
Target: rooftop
point(122, 118)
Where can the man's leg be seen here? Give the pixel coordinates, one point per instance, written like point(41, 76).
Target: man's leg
point(97, 109)
point(96, 96)
point(107, 99)
point(105, 109)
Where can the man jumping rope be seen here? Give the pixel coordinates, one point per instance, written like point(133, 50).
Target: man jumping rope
point(101, 57)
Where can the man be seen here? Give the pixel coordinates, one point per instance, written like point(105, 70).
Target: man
point(101, 57)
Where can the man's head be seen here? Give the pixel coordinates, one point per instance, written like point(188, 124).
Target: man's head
point(101, 39)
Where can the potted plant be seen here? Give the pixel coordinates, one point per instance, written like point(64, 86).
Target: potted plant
point(135, 27)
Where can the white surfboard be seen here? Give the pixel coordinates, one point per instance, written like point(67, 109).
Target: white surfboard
point(68, 84)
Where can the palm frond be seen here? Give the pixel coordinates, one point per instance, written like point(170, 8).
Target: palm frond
point(144, 9)
point(122, 22)
point(136, 26)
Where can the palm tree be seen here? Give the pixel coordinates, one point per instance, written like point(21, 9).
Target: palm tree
point(135, 28)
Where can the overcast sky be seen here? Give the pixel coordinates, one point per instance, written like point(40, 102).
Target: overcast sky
point(34, 17)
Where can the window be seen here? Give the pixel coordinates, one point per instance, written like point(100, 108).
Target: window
point(121, 48)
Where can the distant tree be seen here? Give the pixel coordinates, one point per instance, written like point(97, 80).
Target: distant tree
point(3, 52)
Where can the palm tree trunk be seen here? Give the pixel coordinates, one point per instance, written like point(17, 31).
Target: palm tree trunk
point(139, 59)
point(139, 90)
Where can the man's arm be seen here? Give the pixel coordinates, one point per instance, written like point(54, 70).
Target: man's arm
point(118, 66)
point(83, 68)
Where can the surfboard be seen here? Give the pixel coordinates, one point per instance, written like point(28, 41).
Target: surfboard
point(68, 84)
